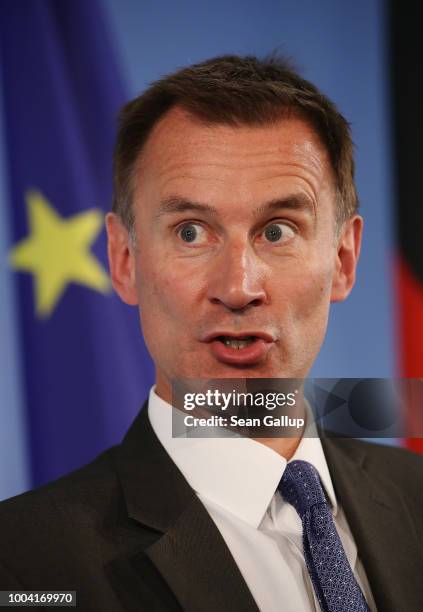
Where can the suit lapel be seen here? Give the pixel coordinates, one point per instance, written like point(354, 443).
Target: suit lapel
point(198, 566)
point(186, 548)
point(382, 526)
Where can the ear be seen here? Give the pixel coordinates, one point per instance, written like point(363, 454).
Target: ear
point(121, 259)
point(348, 252)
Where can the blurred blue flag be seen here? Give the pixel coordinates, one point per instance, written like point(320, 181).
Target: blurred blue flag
point(86, 367)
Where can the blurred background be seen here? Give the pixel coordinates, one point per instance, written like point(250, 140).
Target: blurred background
point(73, 367)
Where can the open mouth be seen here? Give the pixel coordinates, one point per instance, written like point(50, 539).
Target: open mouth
point(240, 350)
point(236, 343)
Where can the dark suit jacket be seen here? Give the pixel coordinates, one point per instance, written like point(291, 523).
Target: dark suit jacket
point(128, 533)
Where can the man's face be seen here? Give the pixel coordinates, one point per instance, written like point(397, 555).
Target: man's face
point(237, 257)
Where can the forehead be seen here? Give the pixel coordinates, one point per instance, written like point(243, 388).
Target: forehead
point(183, 152)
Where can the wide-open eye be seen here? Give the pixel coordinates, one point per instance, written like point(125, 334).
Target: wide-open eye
point(278, 232)
point(192, 233)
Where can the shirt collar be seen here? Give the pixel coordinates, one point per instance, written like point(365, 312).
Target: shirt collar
point(238, 474)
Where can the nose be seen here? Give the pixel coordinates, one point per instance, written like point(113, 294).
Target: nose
point(238, 278)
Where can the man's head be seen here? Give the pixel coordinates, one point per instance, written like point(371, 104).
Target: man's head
point(234, 217)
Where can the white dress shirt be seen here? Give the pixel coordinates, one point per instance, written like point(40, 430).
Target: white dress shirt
point(236, 480)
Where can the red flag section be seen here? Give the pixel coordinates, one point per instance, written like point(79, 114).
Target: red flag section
point(410, 326)
point(407, 89)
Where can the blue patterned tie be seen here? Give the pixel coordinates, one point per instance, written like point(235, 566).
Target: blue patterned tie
point(333, 580)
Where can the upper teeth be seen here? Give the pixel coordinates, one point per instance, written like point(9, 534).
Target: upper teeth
point(237, 342)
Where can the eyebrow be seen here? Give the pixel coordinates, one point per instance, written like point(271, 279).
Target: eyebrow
point(176, 204)
point(298, 202)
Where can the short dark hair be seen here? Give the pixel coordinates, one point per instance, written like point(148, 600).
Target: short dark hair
point(235, 91)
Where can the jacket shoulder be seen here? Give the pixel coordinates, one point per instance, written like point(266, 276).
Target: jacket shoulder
point(93, 474)
point(387, 452)
point(59, 509)
point(395, 463)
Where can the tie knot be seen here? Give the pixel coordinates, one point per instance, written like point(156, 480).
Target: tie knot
point(300, 486)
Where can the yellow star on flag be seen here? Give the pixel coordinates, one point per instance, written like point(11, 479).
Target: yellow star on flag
point(57, 252)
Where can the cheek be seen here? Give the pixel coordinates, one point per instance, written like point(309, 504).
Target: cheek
point(307, 293)
point(306, 307)
point(164, 292)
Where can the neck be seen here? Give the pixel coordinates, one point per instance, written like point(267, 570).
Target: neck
point(287, 444)
point(285, 447)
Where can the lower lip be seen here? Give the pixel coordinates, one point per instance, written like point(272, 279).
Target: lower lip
point(248, 355)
